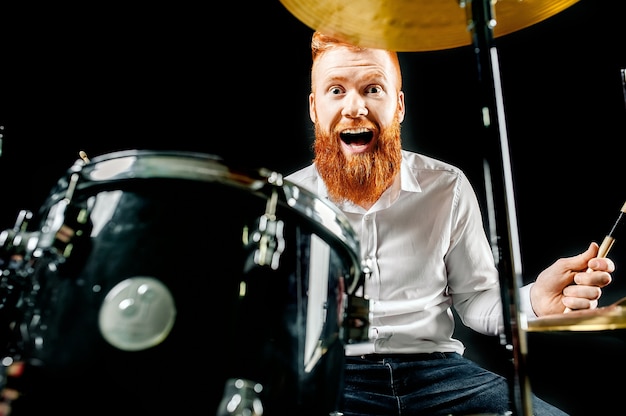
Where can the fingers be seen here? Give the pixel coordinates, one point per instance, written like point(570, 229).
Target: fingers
point(573, 304)
point(561, 273)
point(580, 261)
point(580, 296)
point(601, 264)
point(593, 278)
point(585, 293)
point(586, 288)
point(586, 269)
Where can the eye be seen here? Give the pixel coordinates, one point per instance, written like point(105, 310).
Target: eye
point(374, 89)
point(335, 90)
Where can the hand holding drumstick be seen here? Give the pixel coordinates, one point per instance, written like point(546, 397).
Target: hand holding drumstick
point(608, 241)
point(575, 282)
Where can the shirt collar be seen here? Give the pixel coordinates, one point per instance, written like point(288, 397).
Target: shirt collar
point(408, 177)
point(406, 181)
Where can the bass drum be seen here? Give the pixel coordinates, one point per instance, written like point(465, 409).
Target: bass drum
point(172, 282)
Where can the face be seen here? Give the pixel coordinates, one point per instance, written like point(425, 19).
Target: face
point(355, 97)
point(357, 110)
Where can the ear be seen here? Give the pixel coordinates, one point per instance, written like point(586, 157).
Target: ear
point(401, 109)
point(312, 107)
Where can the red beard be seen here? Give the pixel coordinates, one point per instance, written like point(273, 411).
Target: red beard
point(363, 177)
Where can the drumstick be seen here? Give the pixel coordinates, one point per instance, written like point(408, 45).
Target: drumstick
point(609, 239)
point(83, 156)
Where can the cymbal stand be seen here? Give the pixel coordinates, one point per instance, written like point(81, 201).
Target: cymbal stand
point(500, 198)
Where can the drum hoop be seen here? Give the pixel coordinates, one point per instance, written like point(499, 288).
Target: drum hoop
point(144, 164)
point(334, 221)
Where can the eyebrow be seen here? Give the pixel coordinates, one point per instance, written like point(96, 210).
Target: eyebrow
point(373, 75)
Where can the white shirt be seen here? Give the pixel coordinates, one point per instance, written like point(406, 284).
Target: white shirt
point(427, 248)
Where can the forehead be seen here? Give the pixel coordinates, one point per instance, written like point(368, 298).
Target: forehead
point(341, 61)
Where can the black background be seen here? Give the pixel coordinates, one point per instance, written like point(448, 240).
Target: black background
point(233, 81)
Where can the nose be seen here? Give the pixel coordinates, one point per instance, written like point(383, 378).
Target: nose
point(354, 105)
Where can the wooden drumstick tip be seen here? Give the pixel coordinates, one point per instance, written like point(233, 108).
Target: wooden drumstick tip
point(83, 156)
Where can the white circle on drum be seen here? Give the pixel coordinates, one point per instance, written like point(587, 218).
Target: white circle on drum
point(137, 313)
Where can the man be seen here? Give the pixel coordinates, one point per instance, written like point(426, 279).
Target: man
point(421, 233)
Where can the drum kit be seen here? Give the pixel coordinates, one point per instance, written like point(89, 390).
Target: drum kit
point(97, 281)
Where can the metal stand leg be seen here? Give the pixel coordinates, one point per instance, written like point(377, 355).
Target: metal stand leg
point(500, 198)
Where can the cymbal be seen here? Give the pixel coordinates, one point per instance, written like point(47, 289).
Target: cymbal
point(598, 319)
point(414, 25)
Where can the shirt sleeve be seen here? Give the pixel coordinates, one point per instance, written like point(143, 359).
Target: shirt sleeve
point(473, 279)
point(524, 301)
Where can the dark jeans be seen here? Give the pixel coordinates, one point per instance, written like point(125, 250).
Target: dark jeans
point(427, 384)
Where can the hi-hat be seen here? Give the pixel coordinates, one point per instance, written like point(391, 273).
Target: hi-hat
point(598, 319)
point(414, 25)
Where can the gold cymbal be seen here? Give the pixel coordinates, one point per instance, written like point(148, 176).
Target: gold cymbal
point(414, 25)
point(598, 319)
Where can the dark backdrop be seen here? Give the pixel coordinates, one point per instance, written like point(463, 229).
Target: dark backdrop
point(233, 81)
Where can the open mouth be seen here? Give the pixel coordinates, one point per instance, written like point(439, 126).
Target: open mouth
point(357, 136)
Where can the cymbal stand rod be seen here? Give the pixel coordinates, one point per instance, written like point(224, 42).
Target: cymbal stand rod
point(500, 201)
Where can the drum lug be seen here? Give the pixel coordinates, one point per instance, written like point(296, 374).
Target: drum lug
point(241, 398)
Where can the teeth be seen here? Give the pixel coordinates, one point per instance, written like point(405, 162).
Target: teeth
point(356, 131)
